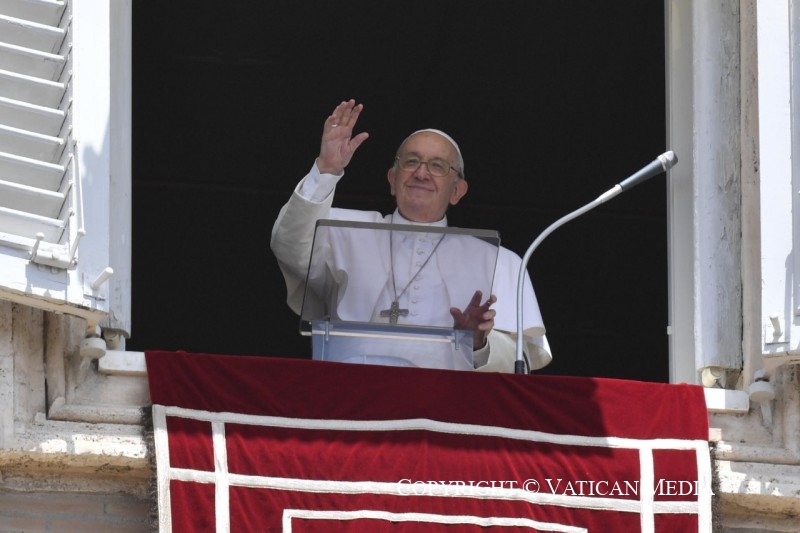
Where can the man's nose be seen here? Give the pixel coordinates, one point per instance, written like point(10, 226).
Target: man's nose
point(420, 173)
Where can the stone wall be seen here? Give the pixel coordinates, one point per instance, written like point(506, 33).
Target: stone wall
point(73, 456)
point(67, 512)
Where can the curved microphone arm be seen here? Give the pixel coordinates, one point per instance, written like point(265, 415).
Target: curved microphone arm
point(519, 365)
point(661, 164)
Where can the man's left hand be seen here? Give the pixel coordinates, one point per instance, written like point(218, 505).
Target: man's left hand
point(477, 317)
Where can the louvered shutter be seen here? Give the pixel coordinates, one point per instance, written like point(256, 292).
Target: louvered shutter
point(58, 62)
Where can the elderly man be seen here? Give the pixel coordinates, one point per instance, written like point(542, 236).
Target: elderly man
point(426, 178)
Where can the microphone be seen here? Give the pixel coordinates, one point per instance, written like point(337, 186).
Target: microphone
point(662, 163)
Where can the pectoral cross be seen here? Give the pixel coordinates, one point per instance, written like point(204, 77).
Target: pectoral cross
point(394, 312)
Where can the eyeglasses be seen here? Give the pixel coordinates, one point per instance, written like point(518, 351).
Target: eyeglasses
point(437, 167)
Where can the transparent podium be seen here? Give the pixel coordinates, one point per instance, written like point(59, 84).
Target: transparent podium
point(382, 293)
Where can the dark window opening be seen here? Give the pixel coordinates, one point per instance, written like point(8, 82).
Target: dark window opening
point(552, 104)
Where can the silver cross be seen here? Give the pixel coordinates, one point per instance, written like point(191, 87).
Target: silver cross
point(394, 312)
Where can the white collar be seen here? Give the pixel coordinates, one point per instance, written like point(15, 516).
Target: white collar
point(397, 218)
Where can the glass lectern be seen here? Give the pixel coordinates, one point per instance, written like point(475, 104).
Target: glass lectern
point(382, 293)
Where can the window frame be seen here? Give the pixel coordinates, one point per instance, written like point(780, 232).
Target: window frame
point(94, 280)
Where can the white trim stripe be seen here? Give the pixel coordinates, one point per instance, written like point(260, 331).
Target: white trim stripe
point(647, 490)
point(163, 469)
point(704, 479)
point(221, 478)
point(426, 424)
point(595, 503)
point(483, 521)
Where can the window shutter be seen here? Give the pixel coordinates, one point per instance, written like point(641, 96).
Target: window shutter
point(45, 219)
point(40, 203)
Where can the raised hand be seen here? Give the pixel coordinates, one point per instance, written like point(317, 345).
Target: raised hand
point(476, 317)
point(338, 143)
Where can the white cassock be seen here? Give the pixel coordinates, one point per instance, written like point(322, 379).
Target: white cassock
point(426, 289)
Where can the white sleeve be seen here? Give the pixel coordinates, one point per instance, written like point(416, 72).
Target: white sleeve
point(316, 186)
point(481, 356)
point(502, 354)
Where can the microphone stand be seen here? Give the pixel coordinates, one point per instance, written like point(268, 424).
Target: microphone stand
point(663, 163)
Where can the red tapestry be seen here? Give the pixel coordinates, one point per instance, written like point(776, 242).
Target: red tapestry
point(263, 444)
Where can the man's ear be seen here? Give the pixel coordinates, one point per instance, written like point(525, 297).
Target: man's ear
point(390, 176)
point(459, 190)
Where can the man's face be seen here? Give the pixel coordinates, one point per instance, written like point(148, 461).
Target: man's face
point(421, 196)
